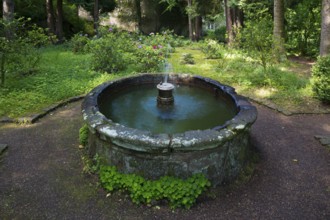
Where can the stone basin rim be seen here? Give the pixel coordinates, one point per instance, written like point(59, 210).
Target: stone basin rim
point(146, 141)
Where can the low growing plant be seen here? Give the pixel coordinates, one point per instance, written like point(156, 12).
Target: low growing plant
point(78, 43)
point(112, 53)
point(321, 79)
point(83, 135)
point(178, 192)
point(18, 53)
point(212, 49)
point(187, 58)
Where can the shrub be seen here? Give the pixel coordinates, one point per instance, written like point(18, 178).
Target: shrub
point(112, 53)
point(321, 79)
point(187, 58)
point(78, 43)
point(257, 40)
point(218, 34)
point(212, 49)
point(118, 51)
point(83, 135)
point(37, 37)
point(149, 58)
point(18, 54)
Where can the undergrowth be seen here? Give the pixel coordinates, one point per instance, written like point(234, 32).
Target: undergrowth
point(178, 192)
point(61, 75)
point(275, 83)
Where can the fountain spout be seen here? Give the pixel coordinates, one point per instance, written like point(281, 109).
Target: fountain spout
point(165, 94)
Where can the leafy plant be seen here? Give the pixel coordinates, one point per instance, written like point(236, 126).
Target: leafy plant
point(83, 135)
point(257, 40)
point(187, 58)
point(321, 79)
point(178, 192)
point(212, 49)
point(148, 58)
point(112, 53)
point(78, 43)
point(18, 53)
point(303, 32)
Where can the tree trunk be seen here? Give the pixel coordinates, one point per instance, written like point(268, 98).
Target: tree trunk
point(2, 68)
point(198, 27)
point(325, 29)
point(8, 16)
point(96, 17)
point(8, 10)
point(278, 31)
point(138, 14)
point(59, 20)
point(190, 23)
point(229, 24)
point(50, 16)
point(238, 17)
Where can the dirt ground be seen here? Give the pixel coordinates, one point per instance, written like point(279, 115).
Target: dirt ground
point(41, 174)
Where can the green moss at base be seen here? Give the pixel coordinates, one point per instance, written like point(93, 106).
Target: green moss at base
point(83, 135)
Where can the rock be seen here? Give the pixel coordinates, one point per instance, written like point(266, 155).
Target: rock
point(3, 147)
point(324, 140)
point(6, 120)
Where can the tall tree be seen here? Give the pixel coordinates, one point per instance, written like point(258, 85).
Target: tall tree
point(8, 16)
point(190, 21)
point(59, 20)
point(325, 29)
point(50, 16)
point(96, 16)
point(138, 14)
point(8, 10)
point(229, 23)
point(278, 31)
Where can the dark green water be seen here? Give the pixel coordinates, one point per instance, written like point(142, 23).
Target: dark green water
point(193, 109)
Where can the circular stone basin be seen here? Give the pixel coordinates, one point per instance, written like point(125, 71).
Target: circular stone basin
point(128, 129)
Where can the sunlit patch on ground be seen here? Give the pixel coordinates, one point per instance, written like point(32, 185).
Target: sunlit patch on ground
point(265, 92)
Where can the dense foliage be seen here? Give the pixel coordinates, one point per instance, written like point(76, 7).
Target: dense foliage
point(119, 50)
point(321, 78)
point(19, 40)
point(178, 192)
point(303, 28)
point(83, 135)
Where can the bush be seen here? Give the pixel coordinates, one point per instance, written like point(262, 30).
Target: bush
point(218, 34)
point(321, 79)
point(212, 49)
point(78, 43)
point(18, 42)
point(149, 58)
point(83, 135)
point(119, 51)
point(257, 40)
point(187, 58)
point(112, 53)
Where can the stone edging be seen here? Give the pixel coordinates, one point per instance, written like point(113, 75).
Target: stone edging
point(34, 117)
point(285, 112)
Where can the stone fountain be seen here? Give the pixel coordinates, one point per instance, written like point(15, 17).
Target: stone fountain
point(205, 128)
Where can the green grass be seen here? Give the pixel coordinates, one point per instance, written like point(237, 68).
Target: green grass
point(60, 75)
point(279, 85)
point(63, 74)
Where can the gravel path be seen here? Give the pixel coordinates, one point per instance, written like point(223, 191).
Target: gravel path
point(41, 174)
